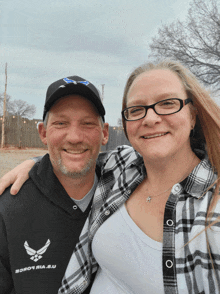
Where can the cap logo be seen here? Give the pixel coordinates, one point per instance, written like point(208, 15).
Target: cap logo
point(68, 81)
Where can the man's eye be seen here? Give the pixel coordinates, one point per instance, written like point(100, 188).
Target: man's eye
point(89, 123)
point(59, 124)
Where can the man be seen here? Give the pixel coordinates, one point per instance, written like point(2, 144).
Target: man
point(40, 228)
point(119, 172)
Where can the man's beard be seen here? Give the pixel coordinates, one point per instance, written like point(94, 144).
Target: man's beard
point(76, 174)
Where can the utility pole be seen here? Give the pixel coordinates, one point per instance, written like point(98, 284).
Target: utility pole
point(103, 85)
point(4, 110)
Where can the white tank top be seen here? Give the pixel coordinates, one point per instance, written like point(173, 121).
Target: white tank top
point(130, 262)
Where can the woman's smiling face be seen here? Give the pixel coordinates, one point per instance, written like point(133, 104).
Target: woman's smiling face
point(156, 136)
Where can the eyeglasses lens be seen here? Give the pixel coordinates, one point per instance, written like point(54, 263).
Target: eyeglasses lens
point(163, 107)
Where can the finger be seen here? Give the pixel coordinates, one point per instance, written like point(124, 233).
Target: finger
point(18, 184)
point(4, 183)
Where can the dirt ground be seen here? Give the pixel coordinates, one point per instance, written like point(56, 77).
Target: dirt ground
point(10, 157)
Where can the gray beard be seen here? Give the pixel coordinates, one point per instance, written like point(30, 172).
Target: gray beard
point(76, 175)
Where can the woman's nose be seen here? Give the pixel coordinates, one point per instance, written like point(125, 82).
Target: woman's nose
point(151, 117)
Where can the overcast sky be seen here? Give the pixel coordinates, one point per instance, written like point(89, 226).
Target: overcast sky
point(101, 41)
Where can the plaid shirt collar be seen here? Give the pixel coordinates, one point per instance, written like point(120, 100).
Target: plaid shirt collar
point(200, 179)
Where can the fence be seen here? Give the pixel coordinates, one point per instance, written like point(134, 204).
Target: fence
point(116, 138)
point(22, 132)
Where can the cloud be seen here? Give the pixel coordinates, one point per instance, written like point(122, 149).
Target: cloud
point(43, 41)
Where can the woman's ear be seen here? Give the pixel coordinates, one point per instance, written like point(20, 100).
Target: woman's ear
point(193, 112)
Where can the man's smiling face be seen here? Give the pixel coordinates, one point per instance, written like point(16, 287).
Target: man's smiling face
point(74, 135)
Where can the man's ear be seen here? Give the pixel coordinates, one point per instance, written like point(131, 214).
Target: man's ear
point(42, 133)
point(105, 133)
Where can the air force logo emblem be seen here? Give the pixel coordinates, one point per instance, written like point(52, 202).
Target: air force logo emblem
point(36, 254)
point(69, 81)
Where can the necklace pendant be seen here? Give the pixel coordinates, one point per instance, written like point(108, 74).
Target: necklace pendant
point(148, 199)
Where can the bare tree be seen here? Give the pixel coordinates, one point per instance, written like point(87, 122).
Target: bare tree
point(22, 108)
point(194, 42)
point(8, 103)
point(17, 107)
point(119, 123)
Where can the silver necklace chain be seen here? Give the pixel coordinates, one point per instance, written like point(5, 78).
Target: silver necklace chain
point(148, 199)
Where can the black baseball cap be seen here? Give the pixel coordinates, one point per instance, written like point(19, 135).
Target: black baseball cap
point(73, 85)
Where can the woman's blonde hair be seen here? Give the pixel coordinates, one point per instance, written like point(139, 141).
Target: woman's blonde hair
point(207, 128)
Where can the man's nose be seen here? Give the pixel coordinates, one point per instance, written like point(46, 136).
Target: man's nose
point(75, 134)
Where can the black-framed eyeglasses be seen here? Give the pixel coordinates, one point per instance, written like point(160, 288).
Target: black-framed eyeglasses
point(163, 107)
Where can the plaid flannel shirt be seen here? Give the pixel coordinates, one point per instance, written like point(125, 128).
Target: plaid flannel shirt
point(187, 267)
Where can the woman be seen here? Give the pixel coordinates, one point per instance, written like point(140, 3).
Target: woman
point(164, 238)
point(171, 121)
